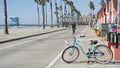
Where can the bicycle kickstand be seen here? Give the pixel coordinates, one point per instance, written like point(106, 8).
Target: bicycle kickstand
point(89, 61)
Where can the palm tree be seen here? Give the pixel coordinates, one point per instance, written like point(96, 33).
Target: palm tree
point(42, 2)
point(46, 13)
point(5, 14)
point(61, 13)
point(78, 14)
point(38, 15)
point(51, 13)
point(73, 9)
point(56, 12)
point(70, 3)
point(92, 7)
point(37, 1)
point(65, 13)
point(102, 2)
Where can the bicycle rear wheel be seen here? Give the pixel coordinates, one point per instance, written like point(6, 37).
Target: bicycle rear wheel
point(70, 54)
point(103, 54)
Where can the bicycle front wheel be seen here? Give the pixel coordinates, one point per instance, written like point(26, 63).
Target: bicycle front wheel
point(103, 54)
point(70, 54)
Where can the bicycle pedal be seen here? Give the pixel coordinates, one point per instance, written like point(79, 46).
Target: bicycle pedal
point(90, 62)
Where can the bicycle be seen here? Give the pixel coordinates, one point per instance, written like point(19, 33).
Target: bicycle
point(101, 53)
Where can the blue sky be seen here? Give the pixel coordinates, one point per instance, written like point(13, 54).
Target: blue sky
point(26, 10)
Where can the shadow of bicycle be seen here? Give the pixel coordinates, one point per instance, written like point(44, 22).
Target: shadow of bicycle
point(114, 63)
point(93, 62)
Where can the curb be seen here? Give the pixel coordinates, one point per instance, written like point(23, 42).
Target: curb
point(14, 39)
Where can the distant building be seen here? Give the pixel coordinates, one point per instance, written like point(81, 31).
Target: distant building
point(108, 14)
point(14, 21)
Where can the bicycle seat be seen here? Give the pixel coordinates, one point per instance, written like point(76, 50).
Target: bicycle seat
point(82, 36)
point(94, 41)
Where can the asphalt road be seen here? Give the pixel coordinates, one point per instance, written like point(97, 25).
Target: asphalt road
point(34, 52)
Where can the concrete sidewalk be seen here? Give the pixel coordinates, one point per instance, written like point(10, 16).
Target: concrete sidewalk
point(16, 33)
point(81, 62)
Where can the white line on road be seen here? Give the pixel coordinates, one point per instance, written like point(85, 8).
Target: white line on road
point(56, 59)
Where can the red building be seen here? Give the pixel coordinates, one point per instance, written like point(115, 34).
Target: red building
point(107, 12)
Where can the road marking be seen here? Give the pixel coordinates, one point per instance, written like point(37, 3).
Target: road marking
point(56, 59)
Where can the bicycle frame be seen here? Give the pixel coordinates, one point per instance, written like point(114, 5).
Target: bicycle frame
point(83, 51)
point(100, 53)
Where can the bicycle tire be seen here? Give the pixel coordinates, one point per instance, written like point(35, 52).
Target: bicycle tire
point(107, 54)
point(68, 57)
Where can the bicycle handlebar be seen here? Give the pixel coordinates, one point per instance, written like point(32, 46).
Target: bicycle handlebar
point(81, 36)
